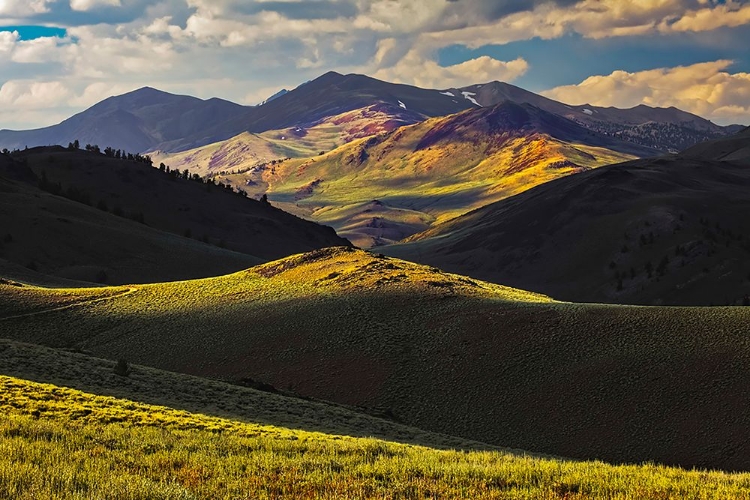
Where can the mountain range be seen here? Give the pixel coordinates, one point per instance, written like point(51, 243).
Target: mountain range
point(149, 120)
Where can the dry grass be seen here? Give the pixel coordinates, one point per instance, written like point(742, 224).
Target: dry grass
point(61, 443)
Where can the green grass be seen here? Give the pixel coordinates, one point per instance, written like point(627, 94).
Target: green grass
point(62, 443)
point(440, 352)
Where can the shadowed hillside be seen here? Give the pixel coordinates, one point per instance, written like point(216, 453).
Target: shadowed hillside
point(438, 351)
point(664, 231)
point(117, 221)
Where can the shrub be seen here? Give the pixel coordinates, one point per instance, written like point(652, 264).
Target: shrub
point(101, 276)
point(122, 368)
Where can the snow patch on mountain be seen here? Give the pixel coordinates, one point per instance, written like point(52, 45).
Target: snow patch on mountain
point(278, 94)
point(402, 104)
point(449, 94)
point(588, 111)
point(469, 96)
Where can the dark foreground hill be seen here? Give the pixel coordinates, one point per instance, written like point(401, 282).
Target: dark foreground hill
point(438, 351)
point(103, 219)
point(671, 230)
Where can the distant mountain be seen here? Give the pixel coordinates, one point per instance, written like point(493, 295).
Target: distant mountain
point(329, 95)
point(151, 120)
point(666, 129)
point(378, 190)
point(85, 216)
point(670, 230)
point(136, 122)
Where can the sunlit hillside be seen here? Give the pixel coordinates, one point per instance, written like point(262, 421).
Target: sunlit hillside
point(434, 171)
point(252, 152)
point(434, 350)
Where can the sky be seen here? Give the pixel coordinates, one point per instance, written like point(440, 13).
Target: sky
point(58, 57)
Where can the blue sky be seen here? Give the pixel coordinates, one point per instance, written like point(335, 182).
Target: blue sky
point(570, 59)
point(33, 32)
point(58, 57)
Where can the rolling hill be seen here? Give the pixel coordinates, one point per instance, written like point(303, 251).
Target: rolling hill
point(670, 230)
point(381, 189)
point(117, 221)
point(441, 352)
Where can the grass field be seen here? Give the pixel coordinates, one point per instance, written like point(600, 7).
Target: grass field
point(436, 351)
point(62, 443)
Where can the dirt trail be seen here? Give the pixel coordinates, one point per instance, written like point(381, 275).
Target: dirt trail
point(70, 306)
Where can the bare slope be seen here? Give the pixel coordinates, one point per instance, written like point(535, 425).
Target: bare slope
point(439, 351)
point(432, 171)
point(252, 151)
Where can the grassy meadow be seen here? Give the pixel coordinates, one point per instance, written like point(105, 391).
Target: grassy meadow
point(62, 443)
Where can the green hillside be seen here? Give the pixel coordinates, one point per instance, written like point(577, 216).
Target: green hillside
point(437, 351)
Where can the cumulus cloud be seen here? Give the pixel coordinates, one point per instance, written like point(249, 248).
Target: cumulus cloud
point(22, 8)
point(706, 89)
point(84, 5)
point(239, 49)
point(417, 70)
point(33, 95)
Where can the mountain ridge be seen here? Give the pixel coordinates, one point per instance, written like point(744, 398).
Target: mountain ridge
point(148, 119)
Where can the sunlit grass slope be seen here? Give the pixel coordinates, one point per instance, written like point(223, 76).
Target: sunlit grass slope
point(62, 443)
point(249, 150)
point(439, 169)
point(435, 350)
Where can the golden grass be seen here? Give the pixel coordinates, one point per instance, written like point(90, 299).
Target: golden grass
point(61, 443)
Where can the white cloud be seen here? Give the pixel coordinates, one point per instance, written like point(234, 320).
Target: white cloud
point(8, 41)
point(85, 5)
point(706, 89)
point(42, 50)
point(245, 50)
point(423, 72)
point(33, 95)
point(22, 8)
